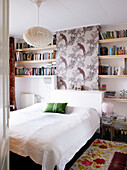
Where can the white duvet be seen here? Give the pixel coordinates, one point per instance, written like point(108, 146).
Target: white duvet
point(51, 138)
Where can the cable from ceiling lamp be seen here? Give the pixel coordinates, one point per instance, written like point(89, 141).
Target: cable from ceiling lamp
point(38, 36)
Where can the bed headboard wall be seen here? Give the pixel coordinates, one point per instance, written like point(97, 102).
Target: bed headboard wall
point(79, 98)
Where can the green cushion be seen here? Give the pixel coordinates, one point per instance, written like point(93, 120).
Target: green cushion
point(56, 107)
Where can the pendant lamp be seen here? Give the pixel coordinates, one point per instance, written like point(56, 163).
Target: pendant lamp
point(38, 36)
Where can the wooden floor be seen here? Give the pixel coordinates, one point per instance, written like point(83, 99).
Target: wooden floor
point(20, 163)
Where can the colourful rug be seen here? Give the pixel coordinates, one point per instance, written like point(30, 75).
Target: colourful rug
point(100, 155)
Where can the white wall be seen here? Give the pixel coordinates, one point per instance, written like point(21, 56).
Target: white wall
point(119, 83)
point(38, 86)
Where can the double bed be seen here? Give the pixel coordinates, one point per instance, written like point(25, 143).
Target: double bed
point(52, 139)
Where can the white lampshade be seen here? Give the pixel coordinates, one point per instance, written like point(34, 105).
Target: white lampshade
point(38, 36)
point(107, 107)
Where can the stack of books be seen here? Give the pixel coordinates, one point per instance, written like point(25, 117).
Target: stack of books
point(110, 94)
point(121, 118)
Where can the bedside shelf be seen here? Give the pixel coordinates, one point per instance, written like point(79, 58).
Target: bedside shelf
point(112, 76)
point(32, 76)
point(113, 40)
point(51, 47)
point(35, 61)
point(112, 56)
point(116, 100)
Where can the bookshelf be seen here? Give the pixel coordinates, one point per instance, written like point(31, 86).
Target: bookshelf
point(112, 40)
point(35, 61)
point(112, 56)
point(108, 57)
point(116, 100)
point(32, 76)
point(51, 47)
point(113, 60)
point(112, 76)
point(31, 62)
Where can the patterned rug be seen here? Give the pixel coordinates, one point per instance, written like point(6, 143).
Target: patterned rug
point(99, 155)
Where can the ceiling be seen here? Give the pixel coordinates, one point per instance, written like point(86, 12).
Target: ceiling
point(65, 14)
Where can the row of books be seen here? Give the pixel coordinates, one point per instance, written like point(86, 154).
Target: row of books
point(25, 45)
point(112, 51)
point(34, 56)
point(107, 70)
point(113, 34)
point(117, 50)
point(22, 45)
point(35, 71)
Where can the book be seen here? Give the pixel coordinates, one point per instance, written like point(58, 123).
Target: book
point(99, 50)
point(54, 54)
point(111, 51)
point(103, 69)
point(116, 50)
point(126, 66)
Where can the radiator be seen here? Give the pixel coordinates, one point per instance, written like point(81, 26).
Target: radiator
point(27, 100)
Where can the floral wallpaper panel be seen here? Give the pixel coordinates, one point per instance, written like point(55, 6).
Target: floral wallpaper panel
point(77, 58)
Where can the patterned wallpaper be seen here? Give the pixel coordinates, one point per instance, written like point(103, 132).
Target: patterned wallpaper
point(77, 58)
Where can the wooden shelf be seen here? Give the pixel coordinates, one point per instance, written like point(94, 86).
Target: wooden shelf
point(35, 61)
point(113, 40)
point(116, 100)
point(112, 56)
point(32, 76)
point(51, 47)
point(112, 76)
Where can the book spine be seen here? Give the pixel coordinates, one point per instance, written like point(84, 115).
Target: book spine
point(111, 51)
point(126, 66)
point(116, 50)
point(99, 50)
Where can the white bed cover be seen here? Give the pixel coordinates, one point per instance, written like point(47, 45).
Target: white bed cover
point(51, 139)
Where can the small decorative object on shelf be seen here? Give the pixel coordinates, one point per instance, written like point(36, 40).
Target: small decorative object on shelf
point(123, 94)
point(107, 108)
point(103, 87)
point(54, 39)
point(104, 51)
point(78, 87)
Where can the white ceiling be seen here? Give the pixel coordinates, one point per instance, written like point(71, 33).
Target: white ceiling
point(65, 14)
